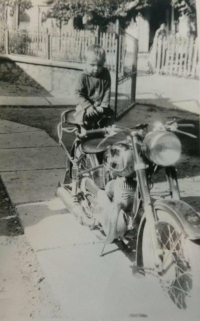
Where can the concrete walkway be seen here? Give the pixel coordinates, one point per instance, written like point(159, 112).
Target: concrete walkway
point(161, 91)
point(87, 286)
point(169, 92)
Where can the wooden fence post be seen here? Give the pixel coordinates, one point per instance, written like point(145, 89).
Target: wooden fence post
point(194, 62)
point(97, 36)
point(134, 70)
point(7, 42)
point(158, 56)
point(48, 46)
point(153, 54)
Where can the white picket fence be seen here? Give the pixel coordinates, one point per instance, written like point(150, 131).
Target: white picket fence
point(67, 47)
point(71, 45)
point(175, 56)
point(2, 36)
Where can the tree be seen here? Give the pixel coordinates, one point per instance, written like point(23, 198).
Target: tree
point(102, 12)
point(63, 10)
point(186, 8)
point(198, 33)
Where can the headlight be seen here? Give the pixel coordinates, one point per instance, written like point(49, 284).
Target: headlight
point(162, 148)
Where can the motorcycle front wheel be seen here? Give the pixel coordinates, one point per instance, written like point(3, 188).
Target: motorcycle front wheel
point(180, 261)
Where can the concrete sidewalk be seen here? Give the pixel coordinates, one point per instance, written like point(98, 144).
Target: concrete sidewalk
point(157, 90)
point(169, 92)
point(86, 286)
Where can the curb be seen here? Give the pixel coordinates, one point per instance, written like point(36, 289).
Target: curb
point(38, 106)
point(44, 102)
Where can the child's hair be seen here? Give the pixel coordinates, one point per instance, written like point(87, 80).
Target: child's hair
point(96, 53)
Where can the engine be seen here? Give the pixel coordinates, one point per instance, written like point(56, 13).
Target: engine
point(119, 163)
point(119, 160)
point(121, 191)
point(117, 177)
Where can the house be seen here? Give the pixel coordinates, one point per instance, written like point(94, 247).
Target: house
point(33, 19)
point(143, 25)
point(149, 19)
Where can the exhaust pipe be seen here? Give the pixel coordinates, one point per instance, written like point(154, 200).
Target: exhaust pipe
point(73, 206)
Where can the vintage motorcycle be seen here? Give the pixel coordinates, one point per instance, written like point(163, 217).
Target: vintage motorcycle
point(111, 172)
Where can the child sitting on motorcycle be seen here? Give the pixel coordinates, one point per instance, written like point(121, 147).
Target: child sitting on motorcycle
point(93, 89)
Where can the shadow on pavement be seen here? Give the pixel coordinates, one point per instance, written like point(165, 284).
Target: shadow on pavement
point(14, 81)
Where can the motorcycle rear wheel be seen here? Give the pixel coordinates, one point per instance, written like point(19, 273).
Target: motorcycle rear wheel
point(99, 177)
point(88, 161)
point(180, 279)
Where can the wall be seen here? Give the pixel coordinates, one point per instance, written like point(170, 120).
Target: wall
point(35, 20)
point(58, 79)
point(32, 19)
point(139, 30)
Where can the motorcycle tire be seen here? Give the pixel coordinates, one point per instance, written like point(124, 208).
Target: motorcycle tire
point(180, 279)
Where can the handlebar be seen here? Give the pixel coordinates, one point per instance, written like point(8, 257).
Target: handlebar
point(89, 132)
point(111, 130)
point(185, 125)
point(114, 130)
point(173, 127)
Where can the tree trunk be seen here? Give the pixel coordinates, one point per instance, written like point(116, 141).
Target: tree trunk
point(198, 35)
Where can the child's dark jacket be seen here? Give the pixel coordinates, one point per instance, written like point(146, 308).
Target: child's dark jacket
point(92, 90)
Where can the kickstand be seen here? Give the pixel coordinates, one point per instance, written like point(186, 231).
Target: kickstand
point(103, 249)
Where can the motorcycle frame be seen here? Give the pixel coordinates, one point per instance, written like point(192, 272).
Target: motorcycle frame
point(142, 196)
point(171, 174)
point(151, 219)
point(140, 168)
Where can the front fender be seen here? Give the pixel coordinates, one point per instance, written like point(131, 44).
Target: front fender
point(183, 213)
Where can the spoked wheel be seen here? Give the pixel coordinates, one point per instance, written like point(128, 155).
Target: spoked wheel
point(89, 161)
point(86, 161)
point(179, 277)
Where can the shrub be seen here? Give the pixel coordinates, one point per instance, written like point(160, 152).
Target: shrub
point(19, 42)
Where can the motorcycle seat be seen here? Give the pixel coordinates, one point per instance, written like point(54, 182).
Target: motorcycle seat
point(69, 117)
point(102, 121)
point(89, 145)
